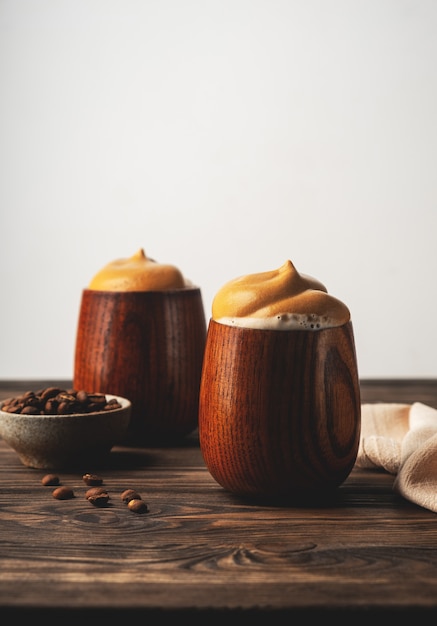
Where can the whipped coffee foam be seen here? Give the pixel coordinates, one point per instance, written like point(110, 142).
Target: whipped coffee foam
point(281, 299)
point(138, 273)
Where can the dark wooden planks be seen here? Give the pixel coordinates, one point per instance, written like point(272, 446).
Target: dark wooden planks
point(201, 550)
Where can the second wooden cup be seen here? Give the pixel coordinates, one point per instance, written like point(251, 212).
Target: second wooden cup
point(147, 347)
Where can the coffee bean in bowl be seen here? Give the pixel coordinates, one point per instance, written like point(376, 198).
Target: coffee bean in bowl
point(63, 428)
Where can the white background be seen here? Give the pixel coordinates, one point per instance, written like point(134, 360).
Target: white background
point(224, 137)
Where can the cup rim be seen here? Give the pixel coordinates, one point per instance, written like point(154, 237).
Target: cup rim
point(244, 329)
point(180, 290)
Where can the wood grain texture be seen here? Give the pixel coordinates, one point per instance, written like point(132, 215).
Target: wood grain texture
point(147, 347)
point(201, 552)
point(279, 411)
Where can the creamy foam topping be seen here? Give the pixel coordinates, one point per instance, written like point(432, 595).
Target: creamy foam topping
point(138, 273)
point(281, 299)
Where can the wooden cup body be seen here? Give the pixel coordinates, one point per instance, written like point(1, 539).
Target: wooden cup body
point(147, 347)
point(279, 411)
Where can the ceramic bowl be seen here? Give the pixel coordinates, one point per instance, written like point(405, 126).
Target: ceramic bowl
point(77, 440)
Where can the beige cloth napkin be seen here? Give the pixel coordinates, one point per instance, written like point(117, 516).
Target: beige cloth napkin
point(402, 440)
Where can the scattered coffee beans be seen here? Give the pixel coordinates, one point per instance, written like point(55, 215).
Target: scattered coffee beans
point(96, 494)
point(56, 401)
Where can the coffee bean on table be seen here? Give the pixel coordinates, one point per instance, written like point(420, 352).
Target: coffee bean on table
point(63, 493)
point(50, 480)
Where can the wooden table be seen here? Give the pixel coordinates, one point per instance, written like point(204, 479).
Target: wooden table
point(200, 552)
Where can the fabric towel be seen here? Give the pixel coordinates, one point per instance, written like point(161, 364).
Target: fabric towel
point(402, 440)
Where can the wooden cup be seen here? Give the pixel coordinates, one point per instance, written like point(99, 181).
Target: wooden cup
point(279, 411)
point(147, 347)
